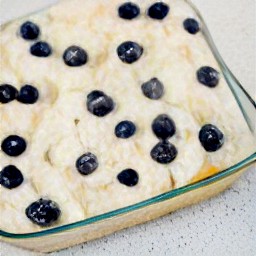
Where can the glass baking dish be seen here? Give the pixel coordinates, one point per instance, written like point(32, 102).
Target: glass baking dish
point(68, 235)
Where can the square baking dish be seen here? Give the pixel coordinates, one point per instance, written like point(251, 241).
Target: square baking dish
point(68, 235)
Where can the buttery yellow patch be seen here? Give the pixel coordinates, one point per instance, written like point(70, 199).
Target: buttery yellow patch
point(206, 171)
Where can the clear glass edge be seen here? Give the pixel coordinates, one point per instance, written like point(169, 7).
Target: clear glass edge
point(168, 195)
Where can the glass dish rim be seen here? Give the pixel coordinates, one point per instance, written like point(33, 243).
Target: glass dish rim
point(167, 195)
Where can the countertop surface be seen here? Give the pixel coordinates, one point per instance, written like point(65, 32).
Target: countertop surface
point(224, 225)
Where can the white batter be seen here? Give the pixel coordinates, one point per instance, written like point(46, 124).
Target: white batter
point(56, 138)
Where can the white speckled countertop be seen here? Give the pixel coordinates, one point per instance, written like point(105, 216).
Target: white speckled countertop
point(224, 225)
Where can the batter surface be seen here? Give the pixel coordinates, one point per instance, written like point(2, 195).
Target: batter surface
point(113, 103)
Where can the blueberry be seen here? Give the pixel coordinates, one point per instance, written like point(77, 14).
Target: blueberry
point(75, 56)
point(164, 152)
point(87, 163)
point(125, 129)
point(41, 49)
point(128, 11)
point(211, 138)
point(11, 177)
point(29, 30)
point(158, 11)
point(208, 76)
point(191, 25)
point(129, 52)
point(28, 94)
point(13, 145)
point(99, 104)
point(153, 89)
point(163, 127)
point(43, 212)
point(128, 177)
point(8, 93)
